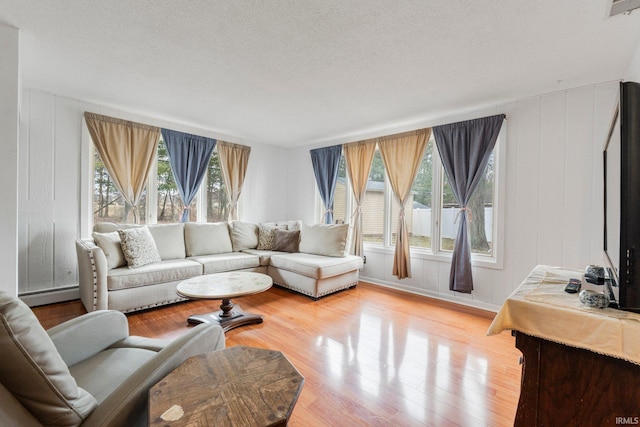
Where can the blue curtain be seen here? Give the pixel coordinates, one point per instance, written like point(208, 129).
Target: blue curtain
point(465, 149)
point(188, 156)
point(325, 166)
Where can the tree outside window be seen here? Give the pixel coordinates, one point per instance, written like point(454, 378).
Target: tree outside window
point(109, 205)
point(481, 214)
point(216, 195)
point(431, 207)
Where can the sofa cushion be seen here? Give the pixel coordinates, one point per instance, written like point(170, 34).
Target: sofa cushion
point(227, 262)
point(33, 370)
point(264, 255)
point(244, 235)
point(108, 227)
point(207, 238)
point(266, 234)
point(324, 239)
point(316, 266)
point(286, 240)
point(292, 225)
point(166, 271)
point(111, 247)
point(120, 363)
point(169, 239)
point(138, 247)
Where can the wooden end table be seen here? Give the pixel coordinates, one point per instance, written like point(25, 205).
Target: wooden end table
point(225, 286)
point(237, 386)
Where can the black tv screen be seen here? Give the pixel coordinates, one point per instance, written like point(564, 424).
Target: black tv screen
point(622, 199)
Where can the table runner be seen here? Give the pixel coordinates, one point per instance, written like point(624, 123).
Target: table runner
point(539, 307)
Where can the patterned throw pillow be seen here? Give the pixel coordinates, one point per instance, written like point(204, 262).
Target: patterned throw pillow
point(266, 234)
point(138, 247)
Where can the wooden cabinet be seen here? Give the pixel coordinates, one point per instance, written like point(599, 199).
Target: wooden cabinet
point(568, 386)
point(581, 365)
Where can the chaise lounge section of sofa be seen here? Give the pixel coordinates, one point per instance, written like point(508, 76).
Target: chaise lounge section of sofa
point(131, 267)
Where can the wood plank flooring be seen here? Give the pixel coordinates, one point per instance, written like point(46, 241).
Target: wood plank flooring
point(371, 356)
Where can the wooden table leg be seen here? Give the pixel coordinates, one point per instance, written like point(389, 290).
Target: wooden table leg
point(230, 316)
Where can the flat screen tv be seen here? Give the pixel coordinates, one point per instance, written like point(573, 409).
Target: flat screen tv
point(622, 200)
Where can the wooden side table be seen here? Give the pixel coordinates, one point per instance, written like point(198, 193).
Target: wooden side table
point(237, 386)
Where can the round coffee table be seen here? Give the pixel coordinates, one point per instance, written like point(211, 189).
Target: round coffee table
point(225, 286)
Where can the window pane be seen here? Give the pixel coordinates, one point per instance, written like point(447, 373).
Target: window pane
point(340, 196)
point(216, 194)
point(170, 204)
point(418, 206)
point(373, 206)
point(480, 212)
point(108, 203)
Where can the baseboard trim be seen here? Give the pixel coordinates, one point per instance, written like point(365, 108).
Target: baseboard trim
point(50, 296)
point(435, 295)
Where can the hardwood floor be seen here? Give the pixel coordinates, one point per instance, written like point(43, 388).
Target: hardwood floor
point(371, 356)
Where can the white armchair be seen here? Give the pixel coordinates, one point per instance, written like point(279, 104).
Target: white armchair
point(87, 371)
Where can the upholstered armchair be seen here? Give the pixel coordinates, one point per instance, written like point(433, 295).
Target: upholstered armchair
point(87, 371)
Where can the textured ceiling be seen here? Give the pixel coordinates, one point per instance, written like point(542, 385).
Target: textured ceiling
point(294, 72)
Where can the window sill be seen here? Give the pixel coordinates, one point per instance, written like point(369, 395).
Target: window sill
point(476, 260)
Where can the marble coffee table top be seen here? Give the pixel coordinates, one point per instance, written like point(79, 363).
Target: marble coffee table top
point(224, 285)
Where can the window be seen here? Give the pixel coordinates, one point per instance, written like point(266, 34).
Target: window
point(215, 194)
point(431, 211)
point(170, 205)
point(341, 196)
point(375, 202)
point(108, 203)
point(480, 212)
point(209, 205)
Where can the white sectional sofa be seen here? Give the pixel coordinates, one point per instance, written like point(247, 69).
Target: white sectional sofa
point(131, 267)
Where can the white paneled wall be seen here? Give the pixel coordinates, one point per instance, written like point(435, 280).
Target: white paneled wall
point(553, 212)
point(9, 101)
point(55, 185)
point(49, 164)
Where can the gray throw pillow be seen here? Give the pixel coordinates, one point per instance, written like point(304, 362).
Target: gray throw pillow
point(286, 240)
point(138, 247)
point(33, 370)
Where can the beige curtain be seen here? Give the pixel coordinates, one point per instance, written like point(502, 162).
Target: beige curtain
point(358, 157)
point(402, 155)
point(127, 150)
point(233, 163)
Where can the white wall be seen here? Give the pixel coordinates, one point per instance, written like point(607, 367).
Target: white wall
point(553, 211)
point(54, 178)
point(9, 106)
point(633, 74)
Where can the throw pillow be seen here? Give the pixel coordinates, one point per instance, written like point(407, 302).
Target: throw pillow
point(138, 247)
point(244, 235)
point(33, 370)
point(286, 240)
point(324, 239)
point(112, 248)
point(169, 239)
point(266, 233)
point(208, 238)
